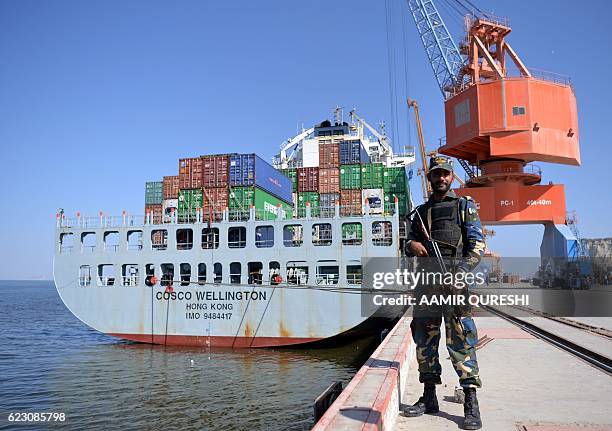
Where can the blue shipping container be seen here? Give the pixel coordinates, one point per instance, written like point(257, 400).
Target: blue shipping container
point(352, 152)
point(251, 170)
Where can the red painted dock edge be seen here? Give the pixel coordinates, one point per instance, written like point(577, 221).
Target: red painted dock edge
point(372, 398)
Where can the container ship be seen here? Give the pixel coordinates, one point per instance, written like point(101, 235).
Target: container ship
point(237, 252)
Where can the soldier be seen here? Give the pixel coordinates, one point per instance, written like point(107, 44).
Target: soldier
point(455, 226)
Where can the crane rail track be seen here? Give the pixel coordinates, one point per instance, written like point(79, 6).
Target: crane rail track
point(598, 361)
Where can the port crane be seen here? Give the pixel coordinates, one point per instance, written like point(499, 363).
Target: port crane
point(499, 122)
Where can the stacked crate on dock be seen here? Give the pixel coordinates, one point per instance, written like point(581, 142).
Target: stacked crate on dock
point(352, 152)
point(311, 198)
point(189, 202)
point(153, 200)
point(329, 156)
point(155, 212)
point(291, 173)
point(215, 200)
point(265, 204)
point(190, 173)
point(215, 170)
point(327, 204)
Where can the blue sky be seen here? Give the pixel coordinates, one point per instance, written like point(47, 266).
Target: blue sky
point(100, 96)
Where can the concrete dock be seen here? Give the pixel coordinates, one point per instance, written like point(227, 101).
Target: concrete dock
point(528, 385)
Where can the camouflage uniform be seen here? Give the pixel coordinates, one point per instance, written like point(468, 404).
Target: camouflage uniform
point(461, 334)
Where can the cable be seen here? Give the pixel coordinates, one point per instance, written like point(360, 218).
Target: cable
point(391, 67)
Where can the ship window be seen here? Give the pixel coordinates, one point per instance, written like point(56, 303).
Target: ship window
point(353, 274)
point(159, 239)
point(134, 240)
point(201, 273)
point(264, 236)
point(185, 273)
point(321, 234)
point(66, 243)
point(327, 272)
point(111, 241)
point(184, 239)
point(210, 237)
point(218, 270)
point(255, 272)
point(150, 274)
point(351, 233)
point(129, 275)
point(106, 275)
point(518, 110)
point(167, 270)
point(293, 235)
point(274, 276)
point(297, 273)
point(382, 233)
point(236, 237)
point(88, 242)
point(85, 275)
point(235, 272)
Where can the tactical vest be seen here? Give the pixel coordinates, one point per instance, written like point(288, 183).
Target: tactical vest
point(445, 227)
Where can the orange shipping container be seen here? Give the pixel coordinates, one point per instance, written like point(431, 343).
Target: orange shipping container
point(190, 173)
point(329, 180)
point(156, 213)
point(308, 179)
point(215, 201)
point(171, 187)
point(329, 156)
point(350, 202)
point(215, 170)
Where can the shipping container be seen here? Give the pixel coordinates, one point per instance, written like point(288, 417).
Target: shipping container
point(394, 179)
point(215, 201)
point(251, 170)
point(329, 180)
point(374, 198)
point(154, 192)
point(402, 201)
point(266, 206)
point(308, 180)
point(171, 187)
point(189, 201)
point(190, 173)
point(215, 170)
point(329, 156)
point(311, 197)
point(350, 203)
point(169, 207)
point(352, 233)
point(327, 204)
point(292, 175)
point(372, 176)
point(350, 177)
point(155, 211)
point(352, 152)
point(310, 153)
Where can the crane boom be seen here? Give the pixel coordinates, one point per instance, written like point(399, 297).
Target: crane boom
point(444, 56)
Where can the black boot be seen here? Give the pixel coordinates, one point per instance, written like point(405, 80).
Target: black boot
point(428, 403)
point(471, 411)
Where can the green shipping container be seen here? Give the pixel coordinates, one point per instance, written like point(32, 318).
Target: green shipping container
point(351, 233)
point(350, 177)
point(372, 176)
point(313, 198)
point(189, 201)
point(402, 202)
point(154, 192)
point(394, 179)
point(292, 175)
point(266, 205)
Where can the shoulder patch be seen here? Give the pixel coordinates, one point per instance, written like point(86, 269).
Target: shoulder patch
point(469, 198)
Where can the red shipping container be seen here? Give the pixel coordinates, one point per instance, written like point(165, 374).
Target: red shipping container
point(215, 201)
point(329, 156)
point(350, 202)
point(308, 179)
point(156, 213)
point(190, 173)
point(215, 170)
point(329, 180)
point(171, 187)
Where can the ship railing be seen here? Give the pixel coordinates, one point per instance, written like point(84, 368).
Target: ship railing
point(327, 279)
point(354, 278)
point(296, 213)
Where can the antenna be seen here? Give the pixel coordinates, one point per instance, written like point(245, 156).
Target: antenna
point(338, 115)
